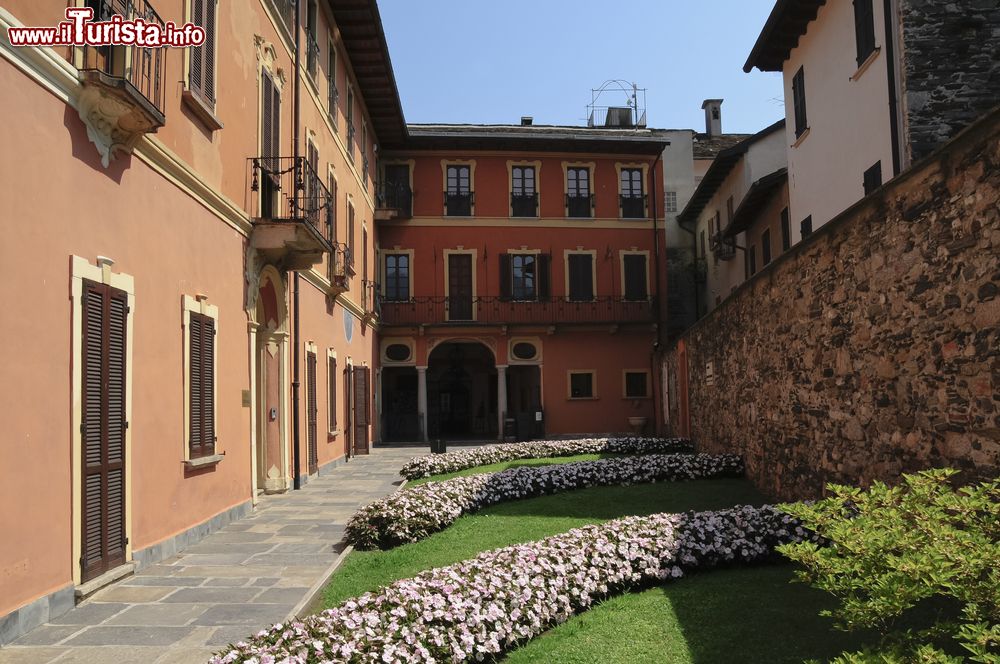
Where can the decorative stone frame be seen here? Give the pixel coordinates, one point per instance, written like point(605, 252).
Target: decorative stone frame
point(402, 341)
point(511, 164)
point(513, 360)
point(394, 251)
point(619, 167)
point(199, 305)
point(649, 386)
point(100, 273)
point(471, 163)
point(331, 404)
point(633, 251)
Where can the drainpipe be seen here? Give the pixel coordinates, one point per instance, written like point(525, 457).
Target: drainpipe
point(656, 301)
point(296, 425)
point(890, 60)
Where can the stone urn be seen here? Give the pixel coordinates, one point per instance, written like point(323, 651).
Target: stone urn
point(638, 424)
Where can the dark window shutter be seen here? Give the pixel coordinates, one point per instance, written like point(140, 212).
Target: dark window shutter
point(807, 226)
point(195, 362)
point(635, 277)
point(275, 120)
point(103, 427)
point(267, 115)
point(581, 282)
point(208, 386)
point(361, 375)
point(786, 231)
point(201, 366)
point(872, 179)
point(208, 58)
point(196, 74)
point(799, 101)
point(332, 393)
point(864, 29)
point(544, 276)
point(506, 275)
point(311, 412)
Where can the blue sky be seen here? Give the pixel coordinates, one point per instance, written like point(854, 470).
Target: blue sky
point(492, 61)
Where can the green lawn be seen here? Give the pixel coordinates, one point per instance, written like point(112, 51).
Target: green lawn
point(733, 615)
point(496, 467)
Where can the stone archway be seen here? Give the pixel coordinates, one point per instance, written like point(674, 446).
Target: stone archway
point(462, 391)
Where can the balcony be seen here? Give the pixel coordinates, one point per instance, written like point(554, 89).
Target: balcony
point(285, 10)
point(123, 86)
point(289, 208)
point(524, 205)
point(633, 206)
point(723, 247)
point(371, 300)
point(580, 206)
point(458, 204)
point(312, 56)
point(393, 200)
point(493, 310)
point(338, 269)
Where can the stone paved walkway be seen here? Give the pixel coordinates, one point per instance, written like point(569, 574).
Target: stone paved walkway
point(248, 575)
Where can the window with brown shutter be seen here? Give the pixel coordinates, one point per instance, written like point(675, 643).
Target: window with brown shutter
point(311, 411)
point(581, 277)
point(102, 428)
point(361, 379)
point(864, 29)
point(201, 386)
point(201, 73)
point(331, 394)
point(635, 269)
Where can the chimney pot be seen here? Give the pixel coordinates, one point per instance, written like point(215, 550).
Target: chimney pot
point(713, 116)
point(526, 120)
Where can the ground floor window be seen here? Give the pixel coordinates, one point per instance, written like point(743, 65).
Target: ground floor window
point(636, 384)
point(581, 385)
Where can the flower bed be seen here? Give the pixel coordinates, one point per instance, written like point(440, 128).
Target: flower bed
point(434, 464)
point(480, 608)
point(414, 513)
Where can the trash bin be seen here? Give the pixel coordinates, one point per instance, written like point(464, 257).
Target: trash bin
point(438, 446)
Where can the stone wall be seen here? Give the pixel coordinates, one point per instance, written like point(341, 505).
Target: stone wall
point(871, 348)
point(951, 67)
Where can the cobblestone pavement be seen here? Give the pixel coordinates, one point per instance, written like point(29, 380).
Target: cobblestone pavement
point(248, 575)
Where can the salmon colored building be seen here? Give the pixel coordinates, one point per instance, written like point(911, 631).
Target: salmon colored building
point(185, 232)
point(518, 278)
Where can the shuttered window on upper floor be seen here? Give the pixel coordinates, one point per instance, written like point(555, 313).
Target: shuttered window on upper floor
point(201, 71)
point(864, 29)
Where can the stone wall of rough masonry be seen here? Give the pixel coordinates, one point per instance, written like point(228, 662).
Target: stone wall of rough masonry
point(871, 348)
point(951, 67)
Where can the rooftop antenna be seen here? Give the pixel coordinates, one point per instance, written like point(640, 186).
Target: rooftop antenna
point(617, 104)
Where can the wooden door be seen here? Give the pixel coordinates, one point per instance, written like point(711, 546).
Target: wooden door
point(102, 427)
point(362, 379)
point(460, 287)
point(311, 412)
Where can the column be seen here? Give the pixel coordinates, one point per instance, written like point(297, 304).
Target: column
point(501, 398)
point(422, 401)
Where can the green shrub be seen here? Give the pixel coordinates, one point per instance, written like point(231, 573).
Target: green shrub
point(918, 563)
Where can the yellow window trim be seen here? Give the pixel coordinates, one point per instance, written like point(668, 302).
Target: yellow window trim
point(649, 391)
point(593, 269)
point(593, 384)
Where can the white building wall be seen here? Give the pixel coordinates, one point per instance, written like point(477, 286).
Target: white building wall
point(847, 115)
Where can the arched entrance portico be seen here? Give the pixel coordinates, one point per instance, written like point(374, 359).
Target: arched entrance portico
point(462, 391)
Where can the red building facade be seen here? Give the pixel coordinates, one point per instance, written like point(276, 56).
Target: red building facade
point(517, 278)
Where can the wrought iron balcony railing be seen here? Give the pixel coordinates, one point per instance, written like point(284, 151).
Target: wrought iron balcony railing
point(288, 189)
point(338, 271)
point(459, 204)
point(633, 206)
point(524, 205)
point(312, 56)
point(139, 70)
point(723, 247)
point(491, 310)
point(580, 205)
point(286, 12)
point(395, 196)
